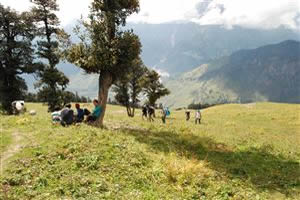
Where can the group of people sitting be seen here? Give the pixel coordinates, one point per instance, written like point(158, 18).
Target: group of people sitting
point(66, 116)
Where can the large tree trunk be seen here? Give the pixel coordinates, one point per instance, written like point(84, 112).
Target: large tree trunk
point(7, 93)
point(105, 82)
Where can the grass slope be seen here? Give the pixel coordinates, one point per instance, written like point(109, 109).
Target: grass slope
point(5, 139)
point(238, 152)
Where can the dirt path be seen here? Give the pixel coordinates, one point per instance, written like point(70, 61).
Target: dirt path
point(11, 150)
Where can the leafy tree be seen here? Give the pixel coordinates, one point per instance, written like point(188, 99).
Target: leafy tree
point(31, 97)
point(197, 106)
point(68, 97)
point(16, 55)
point(83, 99)
point(153, 87)
point(104, 48)
point(129, 87)
point(52, 82)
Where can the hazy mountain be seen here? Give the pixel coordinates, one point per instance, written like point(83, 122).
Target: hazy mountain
point(181, 47)
point(176, 48)
point(268, 73)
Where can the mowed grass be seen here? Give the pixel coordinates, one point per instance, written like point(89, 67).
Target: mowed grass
point(238, 152)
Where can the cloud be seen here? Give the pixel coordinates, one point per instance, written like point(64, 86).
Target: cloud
point(161, 11)
point(69, 11)
point(248, 13)
point(162, 73)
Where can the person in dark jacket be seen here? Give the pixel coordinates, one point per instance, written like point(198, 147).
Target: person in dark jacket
point(80, 113)
point(163, 115)
point(188, 115)
point(67, 115)
point(144, 112)
point(151, 113)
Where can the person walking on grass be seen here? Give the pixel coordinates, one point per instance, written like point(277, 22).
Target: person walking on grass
point(144, 112)
point(198, 117)
point(188, 115)
point(150, 113)
point(163, 115)
point(96, 112)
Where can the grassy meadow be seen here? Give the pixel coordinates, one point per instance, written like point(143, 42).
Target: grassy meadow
point(238, 152)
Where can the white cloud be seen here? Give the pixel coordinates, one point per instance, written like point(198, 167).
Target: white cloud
point(69, 9)
point(250, 13)
point(160, 11)
point(162, 73)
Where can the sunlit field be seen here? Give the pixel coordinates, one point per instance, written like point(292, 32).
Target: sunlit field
point(237, 152)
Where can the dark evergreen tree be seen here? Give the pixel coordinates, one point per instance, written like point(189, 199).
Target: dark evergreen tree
point(31, 97)
point(153, 87)
point(129, 88)
point(16, 55)
point(52, 82)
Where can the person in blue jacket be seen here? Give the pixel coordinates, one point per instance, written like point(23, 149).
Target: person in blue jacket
point(80, 113)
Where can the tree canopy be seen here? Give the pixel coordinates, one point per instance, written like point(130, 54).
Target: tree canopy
point(129, 88)
point(153, 87)
point(16, 54)
point(52, 82)
point(104, 48)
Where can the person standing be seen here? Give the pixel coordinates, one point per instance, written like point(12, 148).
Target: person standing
point(188, 115)
point(163, 115)
point(144, 112)
point(198, 117)
point(150, 113)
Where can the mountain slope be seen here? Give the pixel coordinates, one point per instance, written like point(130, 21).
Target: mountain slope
point(177, 48)
point(268, 73)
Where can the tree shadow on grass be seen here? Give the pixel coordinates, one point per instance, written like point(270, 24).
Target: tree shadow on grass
point(263, 169)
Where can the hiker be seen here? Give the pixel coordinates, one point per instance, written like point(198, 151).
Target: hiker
point(144, 112)
point(168, 113)
point(164, 115)
point(96, 112)
point(151, 113)
point(67, 115)
point(188, 115)
point(198, 117)
point(80, 114)
point(56, 116)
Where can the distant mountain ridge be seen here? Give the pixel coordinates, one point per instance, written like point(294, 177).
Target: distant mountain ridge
point(180, 47)
point(268, 73)
point(177, 48)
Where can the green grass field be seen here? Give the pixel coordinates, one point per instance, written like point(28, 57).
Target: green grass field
point(238, 152)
